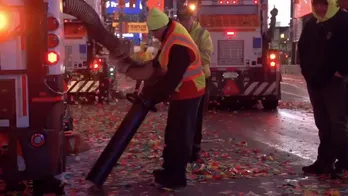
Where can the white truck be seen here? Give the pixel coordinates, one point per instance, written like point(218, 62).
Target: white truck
point(32, 94)
point(244, 68)
point(33, 142)
point(77, 43)
point(83, 62)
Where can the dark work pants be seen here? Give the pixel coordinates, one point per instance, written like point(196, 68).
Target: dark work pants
point(203, 108)
point(179, 133)
point(331, 118)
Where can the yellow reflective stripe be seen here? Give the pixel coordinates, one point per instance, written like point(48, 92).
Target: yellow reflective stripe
point(189, 73)
point(174, 39)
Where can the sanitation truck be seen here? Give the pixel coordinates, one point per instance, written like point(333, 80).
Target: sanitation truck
point(244, 67)
point(85, 64)
point(32, 141)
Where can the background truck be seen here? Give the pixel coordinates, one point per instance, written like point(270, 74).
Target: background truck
point(85, 64)
point(244, 68)
point(32, 142)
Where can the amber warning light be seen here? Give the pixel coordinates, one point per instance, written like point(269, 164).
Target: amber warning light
point(52, 58)
point(3, 21)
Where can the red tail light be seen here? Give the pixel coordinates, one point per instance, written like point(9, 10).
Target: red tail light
point(52, 58)
point(256, 2)
point(273, 57)
point(230, 33)
point(53, 40)
point(96, 64)
point(221, 2)
point(52, 24)
point(234, 2)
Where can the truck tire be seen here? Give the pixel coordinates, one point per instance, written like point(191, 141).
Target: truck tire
point(51, 184)
point(13, 187)
point(270, 104)
point(48, 186)
point(249, 104)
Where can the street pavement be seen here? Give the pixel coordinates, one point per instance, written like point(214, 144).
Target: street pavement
point(294, 89)
point(246, 152)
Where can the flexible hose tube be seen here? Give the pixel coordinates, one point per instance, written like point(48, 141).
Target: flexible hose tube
point(84, 12)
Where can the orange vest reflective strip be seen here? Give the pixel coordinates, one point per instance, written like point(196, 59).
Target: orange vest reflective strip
point(195, 69)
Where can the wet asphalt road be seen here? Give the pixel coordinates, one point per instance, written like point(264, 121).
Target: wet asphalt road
point(288, 136)
point(294, 89)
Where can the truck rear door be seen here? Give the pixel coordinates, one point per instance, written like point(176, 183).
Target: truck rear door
point(31, 87)
point(235, 31)
point(13, 66)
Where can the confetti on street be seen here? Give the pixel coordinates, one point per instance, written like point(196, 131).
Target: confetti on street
point(227, 162)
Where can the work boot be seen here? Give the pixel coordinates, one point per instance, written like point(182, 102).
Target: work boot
point(317, 168)
point(195, 156)
point(341, 170)
point(169, 180)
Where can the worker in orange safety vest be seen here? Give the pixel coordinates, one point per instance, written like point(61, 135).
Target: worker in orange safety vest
point(183, 80)
point(176, 72)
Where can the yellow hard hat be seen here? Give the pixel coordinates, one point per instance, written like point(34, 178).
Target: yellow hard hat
point(156, 19)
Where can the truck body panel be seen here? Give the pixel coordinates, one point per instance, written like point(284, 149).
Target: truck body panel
point(240, 63)
point(14, 46)
point(76, 40)
point(31, 91)
point(87, 78)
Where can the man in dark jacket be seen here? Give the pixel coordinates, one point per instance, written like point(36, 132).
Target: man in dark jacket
point(323, 53)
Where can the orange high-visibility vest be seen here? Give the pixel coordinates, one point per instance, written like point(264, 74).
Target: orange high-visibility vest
point(179, 36)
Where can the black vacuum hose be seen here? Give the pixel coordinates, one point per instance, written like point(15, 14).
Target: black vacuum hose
point(84, 12)
point(120, 140)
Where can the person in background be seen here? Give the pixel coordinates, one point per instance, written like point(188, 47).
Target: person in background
point(180, 77)
point(141, 56)
point(323, 49)
point(202, 38)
